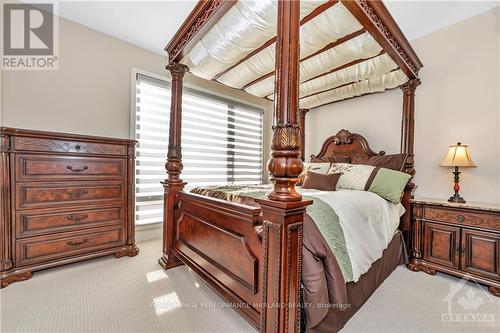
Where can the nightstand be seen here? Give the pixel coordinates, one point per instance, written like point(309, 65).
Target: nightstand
point(457, 239)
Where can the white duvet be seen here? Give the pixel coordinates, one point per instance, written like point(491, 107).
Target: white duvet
point(369, 223)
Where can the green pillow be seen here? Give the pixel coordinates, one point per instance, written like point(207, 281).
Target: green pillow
point(389, 184)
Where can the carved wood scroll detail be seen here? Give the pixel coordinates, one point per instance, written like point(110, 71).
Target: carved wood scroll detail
point(15, 278)
point(174, 163)
point(464, 217)
point(411, 85)
point(4, 142)
point(286, 138)
point(417, 212)
point(345, 137)
point(196, 25)
point(417, 268)
point(130, 251)
point(33, 144)
point(282, 248)
point(368, 9)
point(292, 229)
point(494, 291)
point(274, 256)
point(177, 70)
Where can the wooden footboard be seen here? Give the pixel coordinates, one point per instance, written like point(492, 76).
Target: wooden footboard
point(219, 241)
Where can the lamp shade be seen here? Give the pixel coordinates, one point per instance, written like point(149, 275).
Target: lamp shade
point(458, 156)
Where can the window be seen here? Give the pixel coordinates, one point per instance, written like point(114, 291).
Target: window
point(221, 143)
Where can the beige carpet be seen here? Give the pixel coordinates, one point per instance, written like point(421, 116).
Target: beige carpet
point(136, 295)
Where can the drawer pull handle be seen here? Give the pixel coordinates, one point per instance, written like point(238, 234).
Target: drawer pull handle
point(75, 217)
point(77, 243)
point(460, 218)
point(69, 167)
point(78, 147)
point(77, 194)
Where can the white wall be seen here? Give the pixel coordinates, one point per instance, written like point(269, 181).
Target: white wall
point(459, 100)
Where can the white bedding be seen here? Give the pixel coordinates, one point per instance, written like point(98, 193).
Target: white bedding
point(368, 221)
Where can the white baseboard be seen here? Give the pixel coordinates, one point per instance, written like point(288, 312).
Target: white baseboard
point(148, 232)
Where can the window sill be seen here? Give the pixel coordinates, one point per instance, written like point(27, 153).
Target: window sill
point(147, 226)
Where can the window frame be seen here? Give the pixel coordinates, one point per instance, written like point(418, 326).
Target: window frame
point(203, 91)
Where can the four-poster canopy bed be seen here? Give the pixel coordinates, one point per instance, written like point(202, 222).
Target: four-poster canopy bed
point(301, 55)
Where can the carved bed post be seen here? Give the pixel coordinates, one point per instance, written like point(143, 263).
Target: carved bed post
point(408, 125)
point(174, 183)
point(285, 164)
point(283, 210)
point(407, 141)
point(302, 125)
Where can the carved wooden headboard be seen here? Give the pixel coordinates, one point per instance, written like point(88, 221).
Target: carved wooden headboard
point(345, 143)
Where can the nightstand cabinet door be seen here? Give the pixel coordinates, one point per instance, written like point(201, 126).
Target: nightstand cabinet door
point(442, 244)
point(481, 253)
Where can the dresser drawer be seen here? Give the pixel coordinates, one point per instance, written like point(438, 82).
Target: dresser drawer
point(68, 146)
point(41, 222)
point(40, 195)
point(46, 248)
point(463, 217)
point(31, 167)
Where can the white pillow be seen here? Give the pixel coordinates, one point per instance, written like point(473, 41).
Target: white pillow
point(354, 176)
point(321, 168)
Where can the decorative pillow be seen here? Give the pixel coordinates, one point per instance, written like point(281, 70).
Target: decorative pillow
point(354, 176)
point(389, 184)
point(393, 162)
point(371, 178)
point(321, 182)
point(321, 168)
point(332, 159)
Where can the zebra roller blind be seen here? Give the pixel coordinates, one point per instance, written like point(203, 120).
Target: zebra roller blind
point(221, 143)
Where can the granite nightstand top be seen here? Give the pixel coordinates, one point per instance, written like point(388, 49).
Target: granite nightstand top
point(492, 207)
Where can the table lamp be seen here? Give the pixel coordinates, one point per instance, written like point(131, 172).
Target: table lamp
point(458, 156)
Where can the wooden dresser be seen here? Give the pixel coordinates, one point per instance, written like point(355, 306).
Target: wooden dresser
point(64, 198)
point(458, 239)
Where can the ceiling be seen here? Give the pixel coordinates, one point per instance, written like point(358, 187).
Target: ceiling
point(151, 24)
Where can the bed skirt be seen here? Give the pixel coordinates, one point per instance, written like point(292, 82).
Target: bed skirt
point(359, 292)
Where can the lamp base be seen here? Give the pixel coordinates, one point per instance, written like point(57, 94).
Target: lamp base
point(456, 199)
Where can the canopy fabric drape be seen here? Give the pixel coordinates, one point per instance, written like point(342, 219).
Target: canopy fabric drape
point(339, 58)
